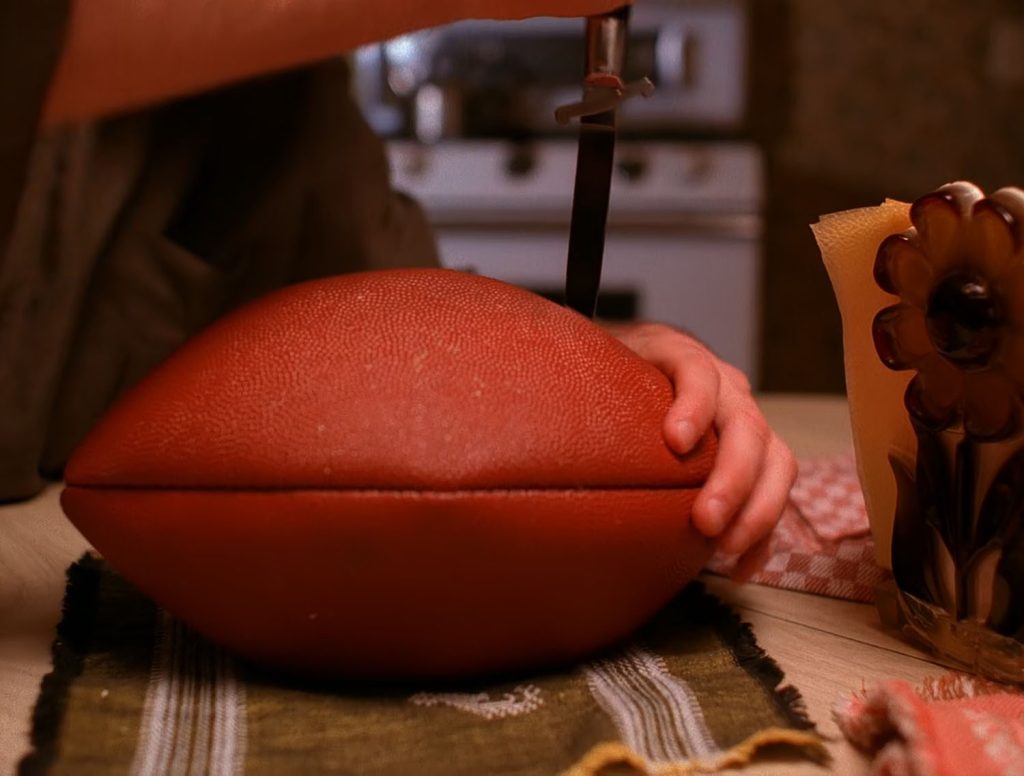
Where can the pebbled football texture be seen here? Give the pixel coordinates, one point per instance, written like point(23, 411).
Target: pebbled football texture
point(398, 474)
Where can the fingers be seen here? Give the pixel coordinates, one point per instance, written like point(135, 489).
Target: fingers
point(743, 441)
point(697, 384)
point(695, 378)
point(758, 516)
point(752, 560)
point(753, 472)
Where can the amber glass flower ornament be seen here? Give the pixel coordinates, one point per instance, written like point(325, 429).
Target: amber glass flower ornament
point(953, 325)
point(959, 323)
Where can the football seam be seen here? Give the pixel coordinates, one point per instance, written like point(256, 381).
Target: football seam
point(386, 491)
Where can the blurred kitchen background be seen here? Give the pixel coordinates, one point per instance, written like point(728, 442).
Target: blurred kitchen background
point(768, 113)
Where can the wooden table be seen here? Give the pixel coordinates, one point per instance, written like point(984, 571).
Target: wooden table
point(825, 646)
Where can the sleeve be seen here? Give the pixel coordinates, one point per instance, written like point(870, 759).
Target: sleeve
point(294, 185)
point(31, 35)
point(242, 191)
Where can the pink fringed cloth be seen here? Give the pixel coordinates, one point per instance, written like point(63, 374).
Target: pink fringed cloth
point(953, 725)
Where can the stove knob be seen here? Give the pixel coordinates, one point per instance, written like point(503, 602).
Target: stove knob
point(414, 163)
point(698, 167)
point(632, 168)
point(520, 162)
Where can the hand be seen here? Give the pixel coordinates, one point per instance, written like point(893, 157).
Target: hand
point(754, 470)
point(522, 9)
point(120, 54)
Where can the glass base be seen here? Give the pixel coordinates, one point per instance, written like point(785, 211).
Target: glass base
point(963, 644)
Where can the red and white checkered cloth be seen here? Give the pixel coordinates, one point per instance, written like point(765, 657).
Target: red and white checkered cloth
point(822, 543)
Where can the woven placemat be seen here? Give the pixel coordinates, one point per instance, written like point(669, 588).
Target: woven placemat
point(134, 691)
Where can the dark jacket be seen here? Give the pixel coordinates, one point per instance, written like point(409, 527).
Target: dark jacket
point(122, 238)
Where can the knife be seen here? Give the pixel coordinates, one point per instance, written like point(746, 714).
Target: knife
point(603, 90)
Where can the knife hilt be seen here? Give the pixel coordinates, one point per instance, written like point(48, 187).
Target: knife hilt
point(603, 87)
point(597, 98)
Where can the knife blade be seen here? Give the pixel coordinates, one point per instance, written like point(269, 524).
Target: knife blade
point(594, 163)
point(603, 90)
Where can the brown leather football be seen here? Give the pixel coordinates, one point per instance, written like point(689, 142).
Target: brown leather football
point(401, 474)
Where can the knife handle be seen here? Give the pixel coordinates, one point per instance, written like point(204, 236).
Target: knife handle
point(606, 42)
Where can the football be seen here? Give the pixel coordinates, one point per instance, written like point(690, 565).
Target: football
point(406, 474)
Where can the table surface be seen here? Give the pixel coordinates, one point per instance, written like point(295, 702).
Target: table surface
point(825, 646)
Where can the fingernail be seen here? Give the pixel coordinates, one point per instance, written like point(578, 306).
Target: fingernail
point(714, 511)
point(687, 433)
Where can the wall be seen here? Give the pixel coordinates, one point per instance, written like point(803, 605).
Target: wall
point(861, 100)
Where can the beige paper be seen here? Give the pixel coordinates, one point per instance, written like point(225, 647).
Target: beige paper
point(848, 243)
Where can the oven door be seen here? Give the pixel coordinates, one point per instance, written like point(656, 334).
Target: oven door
point(700, 274)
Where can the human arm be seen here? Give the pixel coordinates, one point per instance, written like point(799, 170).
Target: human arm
point(122, 54)
point(754, 470)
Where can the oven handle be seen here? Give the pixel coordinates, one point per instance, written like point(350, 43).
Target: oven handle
point(724, 225)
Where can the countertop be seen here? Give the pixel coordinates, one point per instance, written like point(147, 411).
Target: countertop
point(825, 646)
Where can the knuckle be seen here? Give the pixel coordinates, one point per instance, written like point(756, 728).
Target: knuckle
point(697, 354)
point(694, 369)
point(649, 330)
point(789, 465)
point(755, 424)
point(736, 376)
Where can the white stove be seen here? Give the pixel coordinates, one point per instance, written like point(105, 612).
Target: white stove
point(684, 227)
